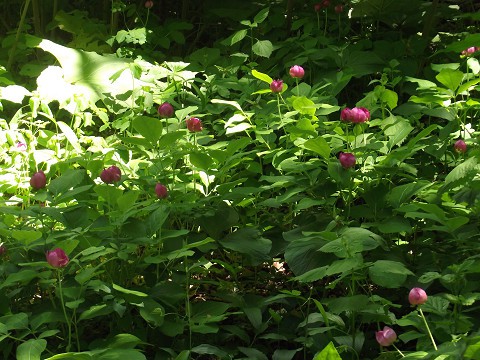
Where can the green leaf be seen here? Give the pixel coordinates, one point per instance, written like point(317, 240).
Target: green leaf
point(68, 180)
point(262, 76)
point(150, 128)
point(95, 311)
point(328, 353)
point(401, 194)
point(127, 291)
point(389, 274)
point(261, 16)
point(70, 135)
point(201, 160)
point(248, 241)
point(31, 349)
point(397, 129)
point(280, 354)
point(304, 105)
point(109, 193)
point(253, 354)
point(450, 78)
point(152, 312)
point(237, 36)
point(463, 171)
point(352, 241)
point(26, 236)
point(318, 145)
point(263, 48)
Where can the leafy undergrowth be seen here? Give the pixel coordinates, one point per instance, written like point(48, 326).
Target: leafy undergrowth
point(304, 187)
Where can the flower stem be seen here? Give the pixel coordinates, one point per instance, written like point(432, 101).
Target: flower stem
point(428, 329)
point(398, 350)
point(69, 324)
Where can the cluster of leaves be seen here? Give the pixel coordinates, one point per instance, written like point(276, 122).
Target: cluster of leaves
point(266, 246)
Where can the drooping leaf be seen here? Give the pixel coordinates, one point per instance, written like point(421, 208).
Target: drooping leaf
point(263, 48)
point(328, 353)
point(31, 349)
point(389, 274)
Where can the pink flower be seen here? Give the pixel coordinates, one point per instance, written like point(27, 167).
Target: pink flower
point(355, 115)
point(296, 71)
point(326, 3)
point(460, 146)
point(111, 175)
point(57, 258)
point(21, 146)
point(149, 4)
point(194, 124)
point(165, 110)
point(347, 160)
point(386, 337)
point(469, 51)
point(317, 7)
point(417, 296)
point(339, 8)
point(38, 180)
point(161, 191)
point(276, 86)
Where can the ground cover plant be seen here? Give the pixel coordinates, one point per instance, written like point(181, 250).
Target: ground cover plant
point(254, 180)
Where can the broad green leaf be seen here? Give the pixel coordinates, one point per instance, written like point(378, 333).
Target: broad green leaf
point(115, 354)
point(318, 145)
point(263, 48)
point(14, 93)
point(254, 314)
point(262, 76)
point(450, 78)
point(281, 354)
point(352, 241)
point(31, 349)
point(22, 277)
point(401, 194)
point(248, 241)
point(389, 97)
point(261, 16)
point(156, 219)
point(201, 160)
point(389, 274)
point(70, 135)
point(95, 311)
point(152, 312)
point(463, 171)
point(238, 128)
point(150, 128)
point(68, 180)
point(397, 129)
point(253, 353)
point(127, 200)
point(347, 303)
point(304, 105)
point(238, 36)
point(110, 193)
point(184, 355)
point(235, 104)
point(328, 353)
point(90, 71)
point(211, 350)
point(26, 236)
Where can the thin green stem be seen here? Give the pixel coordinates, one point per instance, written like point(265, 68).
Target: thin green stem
point(428, 328)
point(67, 319)
point(398, 350)
point(17, 36)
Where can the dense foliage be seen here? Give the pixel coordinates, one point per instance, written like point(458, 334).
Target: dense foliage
point(239, 180)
